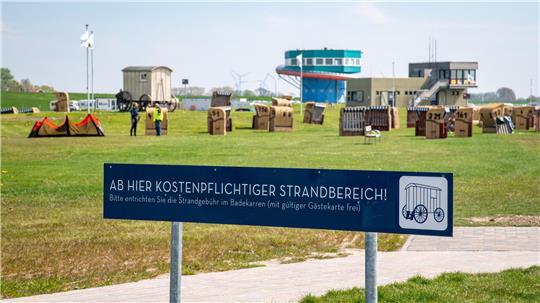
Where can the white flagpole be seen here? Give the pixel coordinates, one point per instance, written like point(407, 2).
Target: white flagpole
point(301, 82)
point(87, 77)
point(301, 87)
point(92, 77)
point(87, 80)
point(91, 46)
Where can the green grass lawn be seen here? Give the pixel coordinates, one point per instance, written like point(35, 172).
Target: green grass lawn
point(514, 285)
point(54, 237)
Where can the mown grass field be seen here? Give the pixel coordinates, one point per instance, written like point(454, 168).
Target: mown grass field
point(54, 237)
point(514, 285)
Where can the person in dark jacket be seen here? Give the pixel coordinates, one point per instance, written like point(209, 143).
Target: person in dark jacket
point(134, 119)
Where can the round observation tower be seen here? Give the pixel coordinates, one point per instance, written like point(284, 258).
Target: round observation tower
point(321, 74)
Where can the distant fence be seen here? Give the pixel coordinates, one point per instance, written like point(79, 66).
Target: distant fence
point(204, 104)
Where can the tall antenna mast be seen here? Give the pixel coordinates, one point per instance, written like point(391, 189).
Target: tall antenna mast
point(429, 49)
point(531, 91)
point(393, 85)
point(435, 56)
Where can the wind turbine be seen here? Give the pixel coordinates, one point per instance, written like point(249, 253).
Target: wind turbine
point(268, 75)
point(262, 86)
point(238, 80)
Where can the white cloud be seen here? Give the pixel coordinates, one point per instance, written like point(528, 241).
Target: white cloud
point(371, 12)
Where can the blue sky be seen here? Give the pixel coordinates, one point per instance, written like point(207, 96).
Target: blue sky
point(205, 42)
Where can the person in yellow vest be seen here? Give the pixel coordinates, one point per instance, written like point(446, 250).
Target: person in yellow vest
point(158, 117)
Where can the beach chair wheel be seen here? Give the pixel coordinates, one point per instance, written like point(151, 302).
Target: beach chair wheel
point(420, 213)
point(438, 214)
point(404, 212)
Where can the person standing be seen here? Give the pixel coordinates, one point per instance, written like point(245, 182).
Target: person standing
point(134, 119)
point(158, 117)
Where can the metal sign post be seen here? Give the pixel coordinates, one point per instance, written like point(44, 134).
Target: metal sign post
point(185, 82)
point(175, 289)
point(371, 267)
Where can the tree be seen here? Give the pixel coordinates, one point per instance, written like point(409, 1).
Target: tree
point(27, 85)
point(261, 91)
point(6, 75)
point(46, 89)
point(506, 94)
point(226, 89)
point(248, 93)
point(529, 99)
point(196, 91)
point(10, 84)
point(8, 81)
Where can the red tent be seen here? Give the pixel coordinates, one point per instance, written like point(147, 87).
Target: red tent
point(89, 126)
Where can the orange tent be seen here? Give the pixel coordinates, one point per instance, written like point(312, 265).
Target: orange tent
point(89, 126)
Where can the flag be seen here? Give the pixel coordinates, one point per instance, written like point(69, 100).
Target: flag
point(84, 38)
point(90, 41)
point(299, 59)
point(87, 39)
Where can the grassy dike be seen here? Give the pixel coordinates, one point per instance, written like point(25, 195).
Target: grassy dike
point(54, 237)
point(39, 100)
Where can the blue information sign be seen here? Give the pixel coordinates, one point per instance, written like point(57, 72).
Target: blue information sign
point(373, 201)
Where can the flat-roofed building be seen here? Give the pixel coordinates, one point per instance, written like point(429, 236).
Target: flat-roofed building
point(436, 83)
point(320, 73)
point(378, 91)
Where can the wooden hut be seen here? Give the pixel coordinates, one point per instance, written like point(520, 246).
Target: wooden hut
point(148, 84)
point(10, 110)
point(29, 110)
point(420, 122)
point(411, 117)
point(379, 117)
point(523, 117)
point(488, 117)
point(394, 114)
point(314, 113)
point(537, 119)
point(62, 102)
point(217, 121)
point(352, 121)
point(222, 99)
point(463, 122)
point(281, 102)
point(435, 123)
point(281, 119)
point(261, 119)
